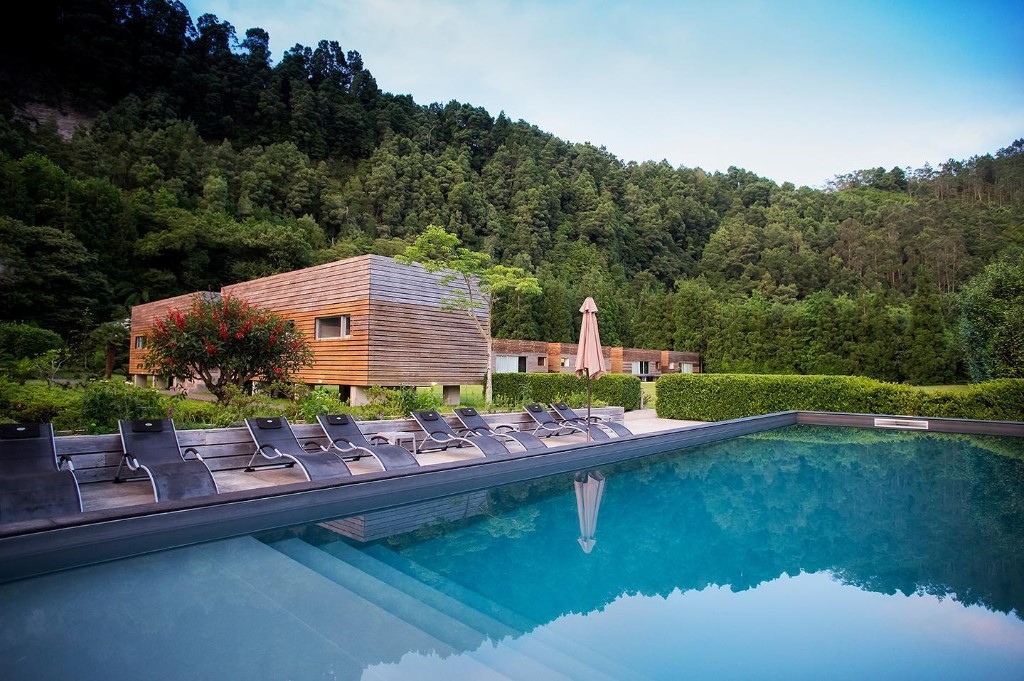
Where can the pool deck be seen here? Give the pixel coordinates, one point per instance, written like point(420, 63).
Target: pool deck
point(97, 496)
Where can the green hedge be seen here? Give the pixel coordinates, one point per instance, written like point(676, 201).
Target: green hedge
point(515, 390)
point(716, 397)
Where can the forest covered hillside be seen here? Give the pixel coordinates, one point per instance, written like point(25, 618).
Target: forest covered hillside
point(198, 162)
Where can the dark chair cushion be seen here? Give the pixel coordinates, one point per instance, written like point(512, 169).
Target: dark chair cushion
point(466, 411)
point(147, 426)
point(561, 405)
point(429, 415)
point(271, 423)
point(17, 431)
point(338, 419)
point(534, 407)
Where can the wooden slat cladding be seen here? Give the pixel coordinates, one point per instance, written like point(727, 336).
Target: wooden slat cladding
point(508, 346)
point(413, 344)
point(144, 317)
point(393, 282)
point(308, 290)
point(616, 359)
point(336, 361)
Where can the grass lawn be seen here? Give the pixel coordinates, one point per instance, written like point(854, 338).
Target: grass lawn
point(942, 388)
point(647, 394)
point(469, 395)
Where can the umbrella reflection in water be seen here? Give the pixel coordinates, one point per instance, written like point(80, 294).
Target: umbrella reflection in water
point(589, 489)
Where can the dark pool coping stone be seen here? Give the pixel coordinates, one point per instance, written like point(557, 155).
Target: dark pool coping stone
point(41, 546)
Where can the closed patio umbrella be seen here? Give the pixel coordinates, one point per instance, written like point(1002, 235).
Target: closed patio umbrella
point(588, 356)
point(589, 489)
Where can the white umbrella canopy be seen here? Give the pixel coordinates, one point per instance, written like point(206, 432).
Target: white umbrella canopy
point(589, 489)
point(589, 356)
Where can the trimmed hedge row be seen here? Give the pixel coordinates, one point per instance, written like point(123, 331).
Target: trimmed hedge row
point(717, 397)
point(611, 389)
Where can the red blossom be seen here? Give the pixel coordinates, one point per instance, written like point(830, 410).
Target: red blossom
point(271, 340)
point(223, 332)
point(278, 371)
point(239, 335)
point(211, 349)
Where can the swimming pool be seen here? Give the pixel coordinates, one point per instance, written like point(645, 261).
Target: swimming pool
point(801, 552)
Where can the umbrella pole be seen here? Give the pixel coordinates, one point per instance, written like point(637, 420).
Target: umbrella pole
point(588, 405)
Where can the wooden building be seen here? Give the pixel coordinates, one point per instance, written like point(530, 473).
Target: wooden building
point(372, 321)
point(369, 320)
point(512, 356)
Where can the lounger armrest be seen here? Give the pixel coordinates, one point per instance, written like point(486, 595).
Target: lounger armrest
point(191, 450)
point(442, 438)
point(275, 452)
point(343, 445)
point(499, 426)
point(310, 446)
point(130, 461)
point(377, 439)
point(65, 459)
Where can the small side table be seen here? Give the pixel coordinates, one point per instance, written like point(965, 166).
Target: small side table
point(397, 437)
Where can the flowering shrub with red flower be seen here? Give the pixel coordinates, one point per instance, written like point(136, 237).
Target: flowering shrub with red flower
point(225, 342)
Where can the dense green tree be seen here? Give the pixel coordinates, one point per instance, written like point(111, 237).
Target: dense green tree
point(991, 327)
point(929, 358)
point(49, 278)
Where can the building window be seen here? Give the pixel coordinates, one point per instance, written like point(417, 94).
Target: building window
point(510, 364)
point(686, 368)
point(671, 366)
point(333, 327)
point(540, 361)
point(641, 368)
point(140, 342)
point(657, 365)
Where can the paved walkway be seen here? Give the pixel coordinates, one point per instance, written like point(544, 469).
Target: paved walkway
point(647, 421)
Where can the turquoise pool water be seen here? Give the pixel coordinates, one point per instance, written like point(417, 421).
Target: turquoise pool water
point(803, 553)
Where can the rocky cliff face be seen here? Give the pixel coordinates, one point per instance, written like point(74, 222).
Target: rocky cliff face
point(37, 113)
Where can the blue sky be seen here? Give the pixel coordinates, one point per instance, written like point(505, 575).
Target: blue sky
point(793, 90)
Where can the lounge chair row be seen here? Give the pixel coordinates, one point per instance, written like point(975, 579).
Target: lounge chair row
point(35, 483)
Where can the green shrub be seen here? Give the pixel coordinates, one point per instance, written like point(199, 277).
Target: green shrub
point(514, 390)
point(717, 397)
point(321, 401)
point(106, 402)
point(192, 414)
point(22, 340)
point(58, 405)
point(395, 402)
